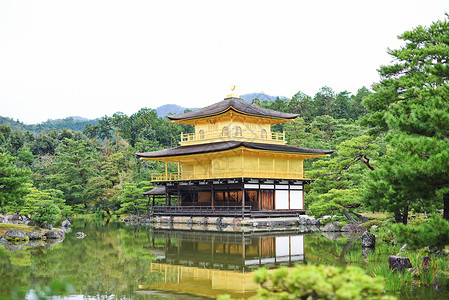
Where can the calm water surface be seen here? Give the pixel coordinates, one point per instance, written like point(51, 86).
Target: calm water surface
point(116, 261)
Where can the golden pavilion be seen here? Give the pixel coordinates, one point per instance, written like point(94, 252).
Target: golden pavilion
point(233, 164)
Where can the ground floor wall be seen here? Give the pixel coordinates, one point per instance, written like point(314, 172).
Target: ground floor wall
point(263, 195)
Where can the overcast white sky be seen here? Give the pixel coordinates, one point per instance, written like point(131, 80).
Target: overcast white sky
point(93, 58)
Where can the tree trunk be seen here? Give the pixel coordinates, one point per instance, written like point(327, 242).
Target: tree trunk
point(446, 206)
point(347, 215)
point(405, 214)
point(397, 216)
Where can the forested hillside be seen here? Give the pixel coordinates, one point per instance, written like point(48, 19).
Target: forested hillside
point(70, 123)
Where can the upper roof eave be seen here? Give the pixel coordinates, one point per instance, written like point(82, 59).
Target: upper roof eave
point(229, 145)
point(237, 104)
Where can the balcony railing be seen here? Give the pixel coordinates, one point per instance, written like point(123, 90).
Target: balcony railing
point(246, 135)
point(202, 210)
point(228, 173)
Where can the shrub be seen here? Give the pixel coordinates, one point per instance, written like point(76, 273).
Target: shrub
point(318, 282)
point(434, 233)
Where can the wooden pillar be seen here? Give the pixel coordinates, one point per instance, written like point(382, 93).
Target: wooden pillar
point(179, 171)
point(166, 170)
point(212, 199)
point(179, 196)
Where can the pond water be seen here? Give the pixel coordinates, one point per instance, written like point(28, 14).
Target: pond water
point(116, 261)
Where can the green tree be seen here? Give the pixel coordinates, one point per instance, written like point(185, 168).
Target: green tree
point(44, 144)
point(356, 103)
point(44, 206)
point(324, 101)
point(301, 104)
point(132, 199)
point(411, 104)
point(12, 182)
point(76, 163)
point(433, 234)
point(339, 179)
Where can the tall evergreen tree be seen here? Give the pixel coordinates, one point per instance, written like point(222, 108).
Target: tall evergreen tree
point(411, 104)
point(324, 101)
point(12, 182)
point(75, 165)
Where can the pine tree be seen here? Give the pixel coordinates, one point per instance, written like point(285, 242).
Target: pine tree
point(76, 163)
point(411, 104)
point(12, 182)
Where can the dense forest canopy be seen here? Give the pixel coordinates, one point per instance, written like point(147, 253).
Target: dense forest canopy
point(392, 146)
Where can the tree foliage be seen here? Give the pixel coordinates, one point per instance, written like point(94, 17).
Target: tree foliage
point(433, 234)
point(44, 206)
point(319, 282)
point(75, 165)
point(12, 182)
point(411, 104)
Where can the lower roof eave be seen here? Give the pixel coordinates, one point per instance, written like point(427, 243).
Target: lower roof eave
point(234, 180)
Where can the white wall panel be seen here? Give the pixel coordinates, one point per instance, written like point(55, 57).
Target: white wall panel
point(296, 200)
point(281, 199)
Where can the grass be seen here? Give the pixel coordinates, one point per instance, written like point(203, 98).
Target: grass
point(377, 215)
point(4, 227)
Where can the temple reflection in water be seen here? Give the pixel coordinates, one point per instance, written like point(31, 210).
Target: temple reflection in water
point(210, 264)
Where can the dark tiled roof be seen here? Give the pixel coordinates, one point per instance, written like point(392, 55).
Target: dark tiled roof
point(222, 146)
point(158, 190)
point(238, 105)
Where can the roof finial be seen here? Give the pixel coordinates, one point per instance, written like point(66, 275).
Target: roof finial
point(232, 95)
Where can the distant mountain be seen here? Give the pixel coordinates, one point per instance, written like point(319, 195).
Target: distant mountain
point(167, 109)
point(78, 118)
point(261, 96)
point(72, 123)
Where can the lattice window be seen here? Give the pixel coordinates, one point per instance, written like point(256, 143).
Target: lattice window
point(238, 131)
point(201, 134)
point(225, 131)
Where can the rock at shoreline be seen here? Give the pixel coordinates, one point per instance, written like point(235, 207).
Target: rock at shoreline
point(368, 240)
point(2, 218)
point(11, 219)
point(35, 235)
point(80, 235)
point(307, 220)
point(55, 234)
point(15, 235)
point(47, 226)
point(66, 223)
point(331, 227)
point(398, 263)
